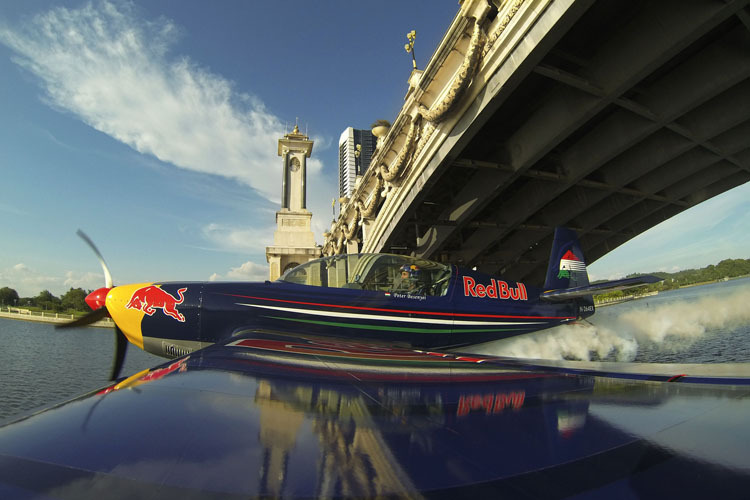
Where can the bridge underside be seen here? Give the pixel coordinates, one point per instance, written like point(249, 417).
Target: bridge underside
point(636, 112)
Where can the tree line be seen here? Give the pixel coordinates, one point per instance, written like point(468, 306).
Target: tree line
point(72, 300)
point(727, 268)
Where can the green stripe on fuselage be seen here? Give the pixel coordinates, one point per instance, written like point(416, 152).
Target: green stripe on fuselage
point(360, 326)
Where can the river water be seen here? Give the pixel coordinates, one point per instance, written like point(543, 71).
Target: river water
point(701, 324)
point(706, 324)
point(40, 365)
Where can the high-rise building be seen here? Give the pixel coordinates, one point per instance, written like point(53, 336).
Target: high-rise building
point(354, 160)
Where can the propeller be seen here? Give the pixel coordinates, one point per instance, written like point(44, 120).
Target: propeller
point(97, 300)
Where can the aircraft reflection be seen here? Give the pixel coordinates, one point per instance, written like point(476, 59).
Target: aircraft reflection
point(274, 416)
point(376, 438)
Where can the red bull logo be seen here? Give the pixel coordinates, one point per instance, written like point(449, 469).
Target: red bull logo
point(148, 376)
point(151, 298)
point(491, 403)
point(495, 289)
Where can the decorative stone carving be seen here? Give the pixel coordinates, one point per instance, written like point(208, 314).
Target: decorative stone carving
point(380, 131)
point(350, 231)
point(368, 210)
point(338, 244)
point(294, 164)
point(466, 72)
point(391, 173)
point(424, 135)
point(501, 26)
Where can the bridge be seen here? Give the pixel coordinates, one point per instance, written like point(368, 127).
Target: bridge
point(607, 117)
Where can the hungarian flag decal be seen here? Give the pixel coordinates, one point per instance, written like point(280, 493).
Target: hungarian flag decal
point(568, 263)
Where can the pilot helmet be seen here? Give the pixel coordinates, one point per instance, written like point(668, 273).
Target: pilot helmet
point(412, 269)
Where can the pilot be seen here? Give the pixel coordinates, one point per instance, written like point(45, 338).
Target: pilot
point(409, 281)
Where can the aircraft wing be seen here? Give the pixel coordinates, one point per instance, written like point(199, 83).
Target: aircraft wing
point(606, 286)
point(270, 415)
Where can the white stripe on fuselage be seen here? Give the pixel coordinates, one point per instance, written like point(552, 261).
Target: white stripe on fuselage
point(377, 317)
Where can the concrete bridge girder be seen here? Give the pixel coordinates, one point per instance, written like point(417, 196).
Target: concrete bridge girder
point(737, 71)
point(566, 110)
point(635, 51)
point(734, 141)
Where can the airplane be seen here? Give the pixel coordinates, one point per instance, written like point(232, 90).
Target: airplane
point(402, 300)
point(269, 410)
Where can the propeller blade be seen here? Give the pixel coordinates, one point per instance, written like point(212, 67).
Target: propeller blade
point(107, 275)
point(98, 298)
point(121, 345)
point(89, 318)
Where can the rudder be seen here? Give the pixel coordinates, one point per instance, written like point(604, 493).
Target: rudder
point(567, 268)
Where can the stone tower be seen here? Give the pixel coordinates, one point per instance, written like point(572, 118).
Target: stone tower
point(293, 240)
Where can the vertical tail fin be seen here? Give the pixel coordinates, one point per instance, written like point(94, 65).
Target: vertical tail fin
point(566, 268)
point(568, 280)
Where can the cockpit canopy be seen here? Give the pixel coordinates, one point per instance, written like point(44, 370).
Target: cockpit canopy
point(374, 272)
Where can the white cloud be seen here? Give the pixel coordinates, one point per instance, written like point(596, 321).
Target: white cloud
point(249, 271)
point(87, 280)
point(113, 70)
point(28, 282)
point(246, 239)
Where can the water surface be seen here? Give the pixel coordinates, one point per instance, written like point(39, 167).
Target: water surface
point(40, 365)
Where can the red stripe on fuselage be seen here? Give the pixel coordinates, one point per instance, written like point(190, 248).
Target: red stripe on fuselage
point(402, 311)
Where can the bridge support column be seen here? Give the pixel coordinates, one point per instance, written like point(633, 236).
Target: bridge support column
point(352, 247)
point(366, 228)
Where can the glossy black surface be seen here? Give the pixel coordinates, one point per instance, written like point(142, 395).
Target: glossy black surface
point(268, 415)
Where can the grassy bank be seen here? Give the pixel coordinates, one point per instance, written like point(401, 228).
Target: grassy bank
point(28, 314)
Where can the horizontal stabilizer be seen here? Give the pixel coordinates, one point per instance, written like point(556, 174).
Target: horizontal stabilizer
point(607, 286)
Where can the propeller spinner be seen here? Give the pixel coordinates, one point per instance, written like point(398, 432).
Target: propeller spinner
point(96, 300)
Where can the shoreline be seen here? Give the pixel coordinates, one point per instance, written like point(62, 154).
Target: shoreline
point(626, 298)
point(51, 318)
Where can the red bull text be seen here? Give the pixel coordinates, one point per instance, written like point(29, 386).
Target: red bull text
point(496, 289)
point(490, 403)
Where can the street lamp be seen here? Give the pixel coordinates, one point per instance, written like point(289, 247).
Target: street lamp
point(412, 35)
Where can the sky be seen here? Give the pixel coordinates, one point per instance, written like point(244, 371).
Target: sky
point(153, 126)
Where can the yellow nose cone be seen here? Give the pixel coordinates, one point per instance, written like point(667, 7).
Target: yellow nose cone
point(125, 313)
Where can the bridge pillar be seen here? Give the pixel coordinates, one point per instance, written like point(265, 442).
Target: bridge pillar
point(352, 247)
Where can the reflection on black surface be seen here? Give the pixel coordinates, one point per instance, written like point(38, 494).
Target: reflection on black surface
point(277, 416)
point(375, 439)
point(378, 438)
